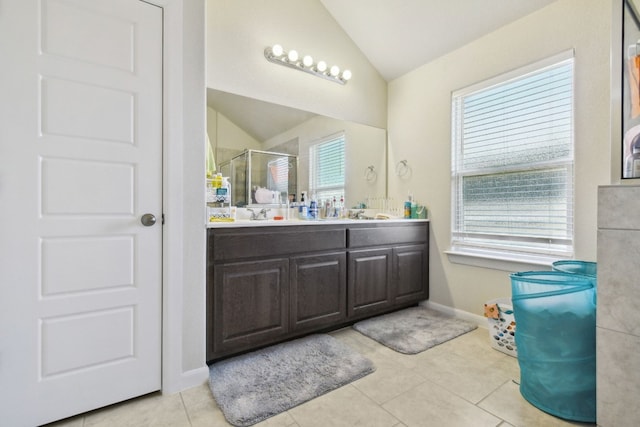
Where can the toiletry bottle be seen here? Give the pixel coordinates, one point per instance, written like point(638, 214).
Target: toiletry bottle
point(313, 208)
point(342, 211)
point(327, 210)
point(414, 209)
point(221, 189)
point(211, 191)
point(227, 186)
point(407, 207)
point(302, 208)
point(217, 180)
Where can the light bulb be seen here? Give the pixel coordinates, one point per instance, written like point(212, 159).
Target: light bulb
point(346, 75)
point(334, 71)
point(277, 50)
point(293, 56)
point(307, 61)
point(322, 66)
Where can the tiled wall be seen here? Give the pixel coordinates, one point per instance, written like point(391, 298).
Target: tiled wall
point(618, 312)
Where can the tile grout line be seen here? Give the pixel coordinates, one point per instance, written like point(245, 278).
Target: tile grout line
point(184, 407)
point(488, 395)
point(379, 405)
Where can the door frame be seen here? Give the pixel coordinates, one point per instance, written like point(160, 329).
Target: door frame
point(183, 169)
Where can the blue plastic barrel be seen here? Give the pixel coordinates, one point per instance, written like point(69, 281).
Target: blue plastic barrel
point(555, 313)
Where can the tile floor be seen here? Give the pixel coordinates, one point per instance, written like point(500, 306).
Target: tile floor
point(463, 382)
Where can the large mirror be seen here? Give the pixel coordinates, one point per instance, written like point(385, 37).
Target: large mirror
point(237, 123)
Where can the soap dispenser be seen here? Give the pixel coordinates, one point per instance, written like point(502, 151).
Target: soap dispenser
point(407, 207)
point(302, 209)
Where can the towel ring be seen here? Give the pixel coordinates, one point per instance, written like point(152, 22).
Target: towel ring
point(370, 174)
point(402, 168)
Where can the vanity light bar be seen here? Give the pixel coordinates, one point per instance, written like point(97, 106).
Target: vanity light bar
point(291, 59)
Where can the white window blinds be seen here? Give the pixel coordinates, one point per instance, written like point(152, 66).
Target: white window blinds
point(326, 168)
point(512, 163)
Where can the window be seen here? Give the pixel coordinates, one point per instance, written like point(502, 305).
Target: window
point(512, 164)
point(326, 168)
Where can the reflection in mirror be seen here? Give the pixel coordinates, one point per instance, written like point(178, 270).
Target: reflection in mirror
point(236, 123)
point(261, 177)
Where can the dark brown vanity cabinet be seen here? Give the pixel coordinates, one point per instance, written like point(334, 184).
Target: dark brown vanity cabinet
point(388, 267)
point(267, 284)
point(270, 283)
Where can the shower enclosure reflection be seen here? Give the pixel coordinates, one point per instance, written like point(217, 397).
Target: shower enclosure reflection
point(261, 177)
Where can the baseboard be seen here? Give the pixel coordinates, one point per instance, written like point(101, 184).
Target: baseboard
point(189, 379)
point(481, 321)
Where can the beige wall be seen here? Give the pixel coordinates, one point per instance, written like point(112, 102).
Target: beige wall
point(238, 31)
point(365, 146)
point(227, 139)
point(419, 126)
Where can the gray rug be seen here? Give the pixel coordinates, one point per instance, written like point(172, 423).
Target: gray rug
point(414, 329)
point(255, 386)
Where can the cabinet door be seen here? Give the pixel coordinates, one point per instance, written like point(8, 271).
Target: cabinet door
point(410, 274)
point(369, 281)
point(251, 305)
point(318, 286)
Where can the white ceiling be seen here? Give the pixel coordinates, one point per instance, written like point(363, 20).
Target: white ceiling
point(398, 36)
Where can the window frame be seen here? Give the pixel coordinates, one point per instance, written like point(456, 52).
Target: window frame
point(510, 257)
point(337, 190)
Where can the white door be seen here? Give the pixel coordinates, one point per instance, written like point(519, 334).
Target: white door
point(80, 164)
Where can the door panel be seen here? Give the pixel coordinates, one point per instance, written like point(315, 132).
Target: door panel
point(80, 163)
point(369, 281)
point(73, 31)
point(411, 273)
point(318, 290)
point(251, 304)
point(64, 110)
point(69, 189)
point(107, 336)
point(100, 263)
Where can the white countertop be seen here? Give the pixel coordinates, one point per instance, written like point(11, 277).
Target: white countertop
point(289, 222)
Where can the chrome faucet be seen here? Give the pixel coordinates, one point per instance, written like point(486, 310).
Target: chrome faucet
point(260, 215)
point(356, 215)
point(360, 214)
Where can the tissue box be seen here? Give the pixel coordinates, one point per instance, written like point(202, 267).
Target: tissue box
point(502, 328)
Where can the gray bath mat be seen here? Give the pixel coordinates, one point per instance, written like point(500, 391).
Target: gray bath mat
point(255, 386)
point(414, 329)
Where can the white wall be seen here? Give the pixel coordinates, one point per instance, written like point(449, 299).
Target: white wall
point(183, 353)
point(419, 125)
point(238, 31)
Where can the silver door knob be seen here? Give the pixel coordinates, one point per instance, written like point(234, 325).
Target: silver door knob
point(148, 219)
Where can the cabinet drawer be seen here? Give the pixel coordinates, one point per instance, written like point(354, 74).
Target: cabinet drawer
point(262, 242)
point(387, 235)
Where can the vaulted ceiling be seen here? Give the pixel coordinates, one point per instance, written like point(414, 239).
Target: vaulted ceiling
point(398, 36)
